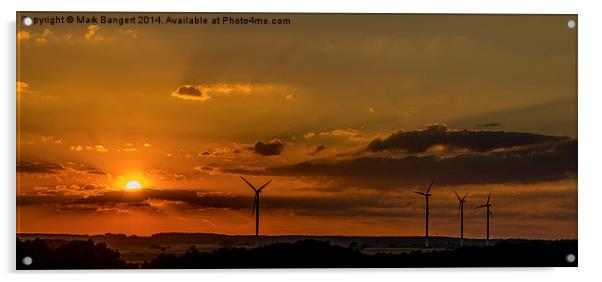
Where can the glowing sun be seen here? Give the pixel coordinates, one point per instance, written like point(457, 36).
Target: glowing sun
point(133, 184)
point(132, 181)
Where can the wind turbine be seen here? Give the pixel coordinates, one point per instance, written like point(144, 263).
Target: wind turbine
point(489, 214)
point(256, 206)
point(461, 210)
point(426, 196)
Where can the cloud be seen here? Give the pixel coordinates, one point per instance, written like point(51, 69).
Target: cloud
point(204, 92)
point(22, 86)
point(490, 124)
point(92, 33)
point(190, 92)
point(224, 88)
point(40, 38)
point(97, 148)
point(96, 171)
point(42, 168)
point(318, 149)
point(100, 148)
point(554, 161)
point(80, 167)
point(348, 133)
point(76, 148)
point(193, 200)
point(309, 135)
point(23, 35)
point(203, 168)
point(270, 148)
point(51, 139)
point(45, 36)
point(349, 136)
point(418, 141)
point(557, 205)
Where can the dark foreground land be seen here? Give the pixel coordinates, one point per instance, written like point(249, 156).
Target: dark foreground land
point(307, 253)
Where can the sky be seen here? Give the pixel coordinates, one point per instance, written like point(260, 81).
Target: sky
point(349, 115)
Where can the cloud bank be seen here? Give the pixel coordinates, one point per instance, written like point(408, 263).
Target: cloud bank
point(42, 168)
point(418, 141)
point(555, 158)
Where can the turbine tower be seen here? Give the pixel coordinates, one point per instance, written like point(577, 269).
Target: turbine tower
point(489, 214)
point(256, 206)
point(426, 196)
point(462, 200)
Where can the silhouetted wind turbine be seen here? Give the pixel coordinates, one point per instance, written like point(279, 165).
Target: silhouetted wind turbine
point(489, 214)
point(461, 210)
point(256, 206)
point(426, 196)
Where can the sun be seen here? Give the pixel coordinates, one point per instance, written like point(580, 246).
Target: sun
point(133, 181)
point(133, 184)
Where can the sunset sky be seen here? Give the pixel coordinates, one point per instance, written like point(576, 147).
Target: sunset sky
point(348, 114)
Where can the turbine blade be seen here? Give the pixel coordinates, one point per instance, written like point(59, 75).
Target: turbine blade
point(463, 198)
point(481, 206)
point(420, 193)
point(489, 197)
point(430, 186)
point(458, 196)
point(264, 185)
point(250, 185)
point(490, 213)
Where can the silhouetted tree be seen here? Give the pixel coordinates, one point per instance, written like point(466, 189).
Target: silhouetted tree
point(72, 255)
point(353, 245)
point(304, 253)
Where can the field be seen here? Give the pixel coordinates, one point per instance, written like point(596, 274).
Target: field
point(138, 249)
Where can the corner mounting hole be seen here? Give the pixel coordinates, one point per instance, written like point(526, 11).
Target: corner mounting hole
point(27, 260)
point(27, 21)
point(570, 258)
point(571, 24)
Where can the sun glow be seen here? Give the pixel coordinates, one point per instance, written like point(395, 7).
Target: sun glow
point(133, 184)
point(132, 181)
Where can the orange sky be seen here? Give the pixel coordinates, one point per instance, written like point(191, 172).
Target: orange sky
point(348, 114)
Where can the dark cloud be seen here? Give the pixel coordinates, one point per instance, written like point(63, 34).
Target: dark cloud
point(86, 168)
point(554, 161)
point(490, 124)
point(190, 92)
point(243, 171)
point(551, 146)
point(418, 141)
point(96, 171)
point(59, 193)
point(205, 153)
point(339, 205)
point(186, 200)
point(270, 148)
point(318, 149)
point(43, 168)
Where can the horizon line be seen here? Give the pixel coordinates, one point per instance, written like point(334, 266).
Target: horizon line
point(285, 235)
